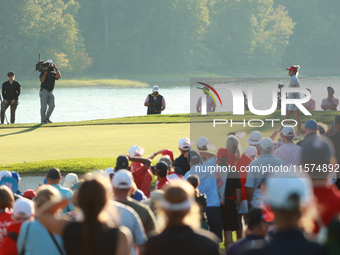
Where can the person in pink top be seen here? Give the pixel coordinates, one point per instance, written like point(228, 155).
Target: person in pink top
point(330, 103)
point(289, 152)
point(310, 105)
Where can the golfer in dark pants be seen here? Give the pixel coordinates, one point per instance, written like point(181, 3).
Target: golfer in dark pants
point(10, 94)
point(47, 79)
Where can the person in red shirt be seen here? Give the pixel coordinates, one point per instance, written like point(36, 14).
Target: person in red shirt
point(139, 169)
point(6, 202)
point(318, 152)
point(161, 171)
point(23, 209)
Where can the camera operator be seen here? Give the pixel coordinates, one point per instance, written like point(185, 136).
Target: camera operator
point(10, 94)
point(155, 102)
point(47, 79)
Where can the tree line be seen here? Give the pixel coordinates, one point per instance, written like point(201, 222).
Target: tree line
point(108, 38)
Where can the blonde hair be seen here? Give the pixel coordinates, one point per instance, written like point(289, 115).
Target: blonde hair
point(46, 193)
point(178, 191)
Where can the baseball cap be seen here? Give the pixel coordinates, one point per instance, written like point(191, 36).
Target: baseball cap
point(194, 158)
point(223, 155)
point(122, 179)
point(330, 88)
point(184, 144)
point(109, 170)
point(10, 73)
point(155, 88)
point(204, 144)
point(53, 173)
point(294, 68)
point(5, 173)
point(311, 124)
point(16, 176)
point(49, 61)
point(122, 162)
point(254, 138)
point(136, 151)
point(266, 144)
point(250, 151)
point(23, 206)
point(162, 169)
point(287, 131)
point(166, 159)
point(280, 187)
point(70, 180)
point(29, 194)
point(169, 153)
point(255, 217)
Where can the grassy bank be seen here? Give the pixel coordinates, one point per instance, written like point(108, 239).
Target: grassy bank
point(84, 146)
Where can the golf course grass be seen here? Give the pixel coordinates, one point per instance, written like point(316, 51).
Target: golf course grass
point(83, 146)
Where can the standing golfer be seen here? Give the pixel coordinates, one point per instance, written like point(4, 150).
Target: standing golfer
point(10, 94)
point(47, 79)
point(155, 101)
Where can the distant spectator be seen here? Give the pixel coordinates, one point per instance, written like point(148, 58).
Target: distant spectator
point(79, 236)
point(279, 143)
point(23, 209)
point(53, 178)
point(110, 172)
point(16, 176)
point(232, 196)
point(181, 235)
point(254, 178)
point(70, 180)
point(330, 103)
point(208, 186)
point(6, 203)
point(311, 127)
point(29, 194)
point(139, 169)
point(34, 238)
point(251, 152)
point(203, 144)
point(310, 105)
point(255, 234)
point(210, 104)
point(161, 171)
point(184, 146)
point(172, 175)
point(323, 128)
point(201, 199)
point(289, 152)
point(121, 183)
point(254, 139)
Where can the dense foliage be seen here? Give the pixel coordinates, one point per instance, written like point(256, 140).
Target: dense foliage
point(110, 38)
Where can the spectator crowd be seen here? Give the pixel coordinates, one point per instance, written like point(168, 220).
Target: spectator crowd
point(276, 198)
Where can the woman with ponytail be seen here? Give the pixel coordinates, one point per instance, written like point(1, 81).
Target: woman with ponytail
point(95, 233)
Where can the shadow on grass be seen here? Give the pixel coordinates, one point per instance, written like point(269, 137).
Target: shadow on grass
point(23, 131)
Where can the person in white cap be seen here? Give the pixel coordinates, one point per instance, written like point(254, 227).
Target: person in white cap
point(254, 139)
point(70, 180)
point(288, 195)
point(289, 152)
point(184, 146)
point(23, 209)
point(256, 172)
point(47, 79)
point(155, 101)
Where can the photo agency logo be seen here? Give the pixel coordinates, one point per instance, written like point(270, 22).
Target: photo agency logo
point(282, 99)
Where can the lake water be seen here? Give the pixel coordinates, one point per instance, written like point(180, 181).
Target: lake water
point(90, 103)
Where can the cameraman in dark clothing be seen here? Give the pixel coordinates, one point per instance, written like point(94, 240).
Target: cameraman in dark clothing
point(47, 79)
point(10, 94)
point(155, 102)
